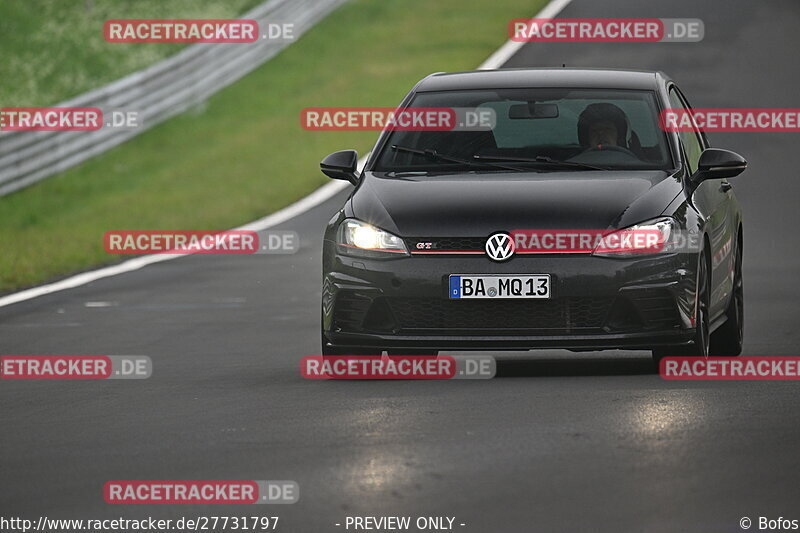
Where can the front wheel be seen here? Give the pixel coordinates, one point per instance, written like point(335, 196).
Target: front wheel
point(728, 339)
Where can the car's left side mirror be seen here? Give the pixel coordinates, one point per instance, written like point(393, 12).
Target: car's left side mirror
point(341, 165)
point(716, 164)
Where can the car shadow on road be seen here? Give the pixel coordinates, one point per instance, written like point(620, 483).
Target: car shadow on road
point(582, 365)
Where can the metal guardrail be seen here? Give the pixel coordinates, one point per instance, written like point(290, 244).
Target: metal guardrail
point(156, 93)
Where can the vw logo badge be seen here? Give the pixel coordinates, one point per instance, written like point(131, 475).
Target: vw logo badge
point(499, 247)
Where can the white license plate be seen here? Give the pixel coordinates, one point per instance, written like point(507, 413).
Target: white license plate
point(490, 286)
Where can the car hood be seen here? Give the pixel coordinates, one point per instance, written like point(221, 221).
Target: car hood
point(471, 205)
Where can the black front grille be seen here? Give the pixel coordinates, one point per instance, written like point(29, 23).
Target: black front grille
point(447, 244)
point(511, 316)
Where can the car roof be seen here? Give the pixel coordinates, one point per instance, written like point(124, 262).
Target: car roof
point(543, 77)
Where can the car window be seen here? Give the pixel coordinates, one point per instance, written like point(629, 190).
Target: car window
point(692, 143)
point(601, 128)
point(511, 133)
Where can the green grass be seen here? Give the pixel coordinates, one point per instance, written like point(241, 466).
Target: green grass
point(244, 154)
point(54, 49)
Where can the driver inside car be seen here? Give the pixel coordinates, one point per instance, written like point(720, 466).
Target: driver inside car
point(602, 125)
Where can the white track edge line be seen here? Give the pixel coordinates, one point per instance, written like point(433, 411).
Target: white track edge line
point(317, 197)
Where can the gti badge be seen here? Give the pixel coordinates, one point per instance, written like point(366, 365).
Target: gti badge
point(499, 247)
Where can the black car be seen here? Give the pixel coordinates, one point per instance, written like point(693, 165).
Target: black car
point(423, 256)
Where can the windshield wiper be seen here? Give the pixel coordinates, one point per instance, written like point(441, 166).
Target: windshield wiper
point(541, 159)
point(433, 154)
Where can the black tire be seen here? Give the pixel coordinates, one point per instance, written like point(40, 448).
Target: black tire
point(702, 338)
point(728, 339)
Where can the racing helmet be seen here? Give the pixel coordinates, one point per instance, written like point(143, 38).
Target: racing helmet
point(600, 112)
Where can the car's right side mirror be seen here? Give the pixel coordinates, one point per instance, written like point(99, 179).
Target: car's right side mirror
point(716, 163)
point(341, 165)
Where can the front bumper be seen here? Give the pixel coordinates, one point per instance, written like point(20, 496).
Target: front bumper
point(596, 303)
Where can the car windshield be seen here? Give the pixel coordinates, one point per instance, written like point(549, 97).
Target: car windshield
point(540, 130)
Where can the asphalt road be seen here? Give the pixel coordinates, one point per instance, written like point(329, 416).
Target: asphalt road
point(558, 442)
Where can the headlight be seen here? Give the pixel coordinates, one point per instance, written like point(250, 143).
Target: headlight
point(361, 239)
point(651, 237)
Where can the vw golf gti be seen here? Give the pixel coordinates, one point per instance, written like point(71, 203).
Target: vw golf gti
point(572, 219)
